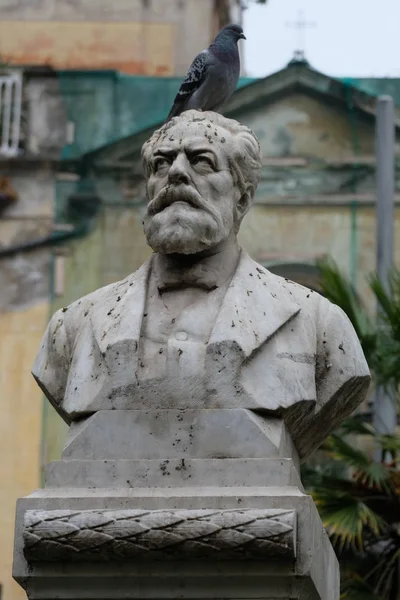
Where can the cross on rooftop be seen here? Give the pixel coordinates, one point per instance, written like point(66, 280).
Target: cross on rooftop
point(300, 25)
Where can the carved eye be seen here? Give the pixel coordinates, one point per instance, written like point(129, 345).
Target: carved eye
point(160, 163)
point(203, 161)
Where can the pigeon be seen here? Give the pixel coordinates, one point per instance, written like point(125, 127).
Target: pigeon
point(212, 76)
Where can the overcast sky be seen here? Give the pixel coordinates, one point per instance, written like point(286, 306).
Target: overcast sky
point(348, 37)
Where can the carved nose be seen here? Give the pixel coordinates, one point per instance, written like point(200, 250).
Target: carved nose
point(178, 172)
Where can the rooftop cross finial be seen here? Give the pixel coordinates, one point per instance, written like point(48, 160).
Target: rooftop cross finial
point(300, 25)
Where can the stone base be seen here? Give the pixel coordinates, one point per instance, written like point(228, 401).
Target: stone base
point(172, 472)
point(255, 542)
point(173, 504)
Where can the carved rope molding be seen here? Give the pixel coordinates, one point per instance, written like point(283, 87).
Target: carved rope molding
point(106, 535)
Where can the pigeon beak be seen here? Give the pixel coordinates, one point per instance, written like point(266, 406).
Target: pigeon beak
point(242, 37)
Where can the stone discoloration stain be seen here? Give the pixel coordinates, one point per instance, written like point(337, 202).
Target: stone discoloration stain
point(300, 357)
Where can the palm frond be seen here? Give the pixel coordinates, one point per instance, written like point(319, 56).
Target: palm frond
point(357, 589)
point(386, 361)
point(389, 443)
point(315, 479)
point(368, 472)
point(346, 518)
point(340, 291)
point(355, 425)
point(388, 299)
point(387, 573)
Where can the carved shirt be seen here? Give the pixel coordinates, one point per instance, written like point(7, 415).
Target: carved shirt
point(180, 312)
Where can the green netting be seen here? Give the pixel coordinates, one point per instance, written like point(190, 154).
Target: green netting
point(107, 105)
point(376, 86)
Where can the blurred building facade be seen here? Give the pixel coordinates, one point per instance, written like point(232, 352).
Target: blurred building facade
point(147, 37)
point(70, 140)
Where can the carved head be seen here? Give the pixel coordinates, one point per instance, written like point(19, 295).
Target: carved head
point(202, 171)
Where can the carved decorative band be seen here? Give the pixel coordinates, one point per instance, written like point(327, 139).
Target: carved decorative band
point(106, 535)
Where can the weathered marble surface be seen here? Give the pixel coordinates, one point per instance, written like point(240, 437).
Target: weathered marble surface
point(313, 575)
point(105, 535)
point(275, 347)
point(204, 433)
point(192, 388)
point(172, 472)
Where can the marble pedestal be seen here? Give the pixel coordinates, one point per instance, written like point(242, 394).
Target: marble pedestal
point(174, 504)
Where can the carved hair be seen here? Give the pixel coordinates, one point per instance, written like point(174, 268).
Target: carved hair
point(245, 161)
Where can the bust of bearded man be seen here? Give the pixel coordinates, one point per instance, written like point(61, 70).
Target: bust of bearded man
point(201, 325)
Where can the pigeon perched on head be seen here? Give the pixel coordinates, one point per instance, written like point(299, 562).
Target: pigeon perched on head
point(212, 76)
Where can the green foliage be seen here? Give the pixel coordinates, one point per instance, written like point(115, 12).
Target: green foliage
point(340, 291)
point(359, 503)
point(358, 590)
point(387, 359)
point(379, 337)
point(359, 498)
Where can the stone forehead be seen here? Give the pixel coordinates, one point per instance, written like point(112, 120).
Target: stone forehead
point(199, 129)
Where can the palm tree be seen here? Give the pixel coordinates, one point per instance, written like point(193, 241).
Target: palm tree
point(359, 498)
point(359, 503)
point(379, 337)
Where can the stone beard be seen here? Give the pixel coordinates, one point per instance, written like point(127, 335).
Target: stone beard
point(201, 325)
point(184, 226)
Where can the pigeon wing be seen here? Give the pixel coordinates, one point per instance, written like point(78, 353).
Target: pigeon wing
point(193, 80)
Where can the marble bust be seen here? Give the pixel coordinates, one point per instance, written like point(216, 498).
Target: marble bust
point(201, 325)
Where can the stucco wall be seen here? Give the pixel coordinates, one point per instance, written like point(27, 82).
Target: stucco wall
point(24, 277)
point(20, 425)
point(24, 312)
point(301, 234)
point(134, 36)
point(301, 125)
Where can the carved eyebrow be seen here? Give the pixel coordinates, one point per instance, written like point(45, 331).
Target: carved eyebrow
point(201, 150)
point(164, 152)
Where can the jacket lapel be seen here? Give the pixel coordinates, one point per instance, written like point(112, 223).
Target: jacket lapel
point(256, 305)
point(117, 328)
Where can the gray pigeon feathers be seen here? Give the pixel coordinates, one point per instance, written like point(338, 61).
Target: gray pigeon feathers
point(194, 77)
point(212, 76)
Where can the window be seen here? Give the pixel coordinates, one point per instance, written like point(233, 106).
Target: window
point(10, 113)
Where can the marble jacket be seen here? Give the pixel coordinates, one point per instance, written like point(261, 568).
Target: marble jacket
point(275, 347)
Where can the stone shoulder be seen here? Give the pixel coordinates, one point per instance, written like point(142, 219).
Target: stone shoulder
point(75, 313)
point(310, 301)
point(328, 317)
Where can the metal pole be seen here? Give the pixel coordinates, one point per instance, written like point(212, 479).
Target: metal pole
point(385, 408)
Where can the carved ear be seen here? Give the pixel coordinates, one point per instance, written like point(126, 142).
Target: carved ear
point(245, 201)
